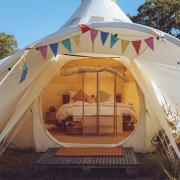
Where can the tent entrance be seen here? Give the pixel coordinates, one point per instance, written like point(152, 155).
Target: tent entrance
point(91, 101)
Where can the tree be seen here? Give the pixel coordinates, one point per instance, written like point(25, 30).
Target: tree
point(8, 45)
point(160, 14)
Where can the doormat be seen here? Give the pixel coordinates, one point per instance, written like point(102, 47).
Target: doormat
point(90, 151)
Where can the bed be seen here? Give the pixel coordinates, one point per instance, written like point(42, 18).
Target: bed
point(106, 121)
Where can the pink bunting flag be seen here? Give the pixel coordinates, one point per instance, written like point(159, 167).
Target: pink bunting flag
point(94, 34)
point(43, 50)
point(150, 42)
point(137, 45)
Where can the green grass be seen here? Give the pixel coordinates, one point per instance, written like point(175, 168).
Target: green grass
point(17, 162)
point(158, 165)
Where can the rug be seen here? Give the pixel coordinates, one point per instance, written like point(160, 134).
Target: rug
point(90, 151)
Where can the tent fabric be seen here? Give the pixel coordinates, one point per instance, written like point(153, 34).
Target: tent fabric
point(97, 10)
point(157, 66)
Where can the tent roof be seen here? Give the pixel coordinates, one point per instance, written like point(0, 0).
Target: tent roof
point(91, 11)
point(159, 66)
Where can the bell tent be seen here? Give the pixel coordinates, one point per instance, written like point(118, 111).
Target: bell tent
point(100, 80)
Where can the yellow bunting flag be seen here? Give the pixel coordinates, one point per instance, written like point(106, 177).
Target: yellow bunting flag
point(76, 39)
point(124, 45)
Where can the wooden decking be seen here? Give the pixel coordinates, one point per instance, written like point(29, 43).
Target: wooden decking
point(128, 162)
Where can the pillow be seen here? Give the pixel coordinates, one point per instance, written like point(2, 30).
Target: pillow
point(103, 96)
point(90, 99)
point(110, 99)
point(79, 97)
point(71, 93)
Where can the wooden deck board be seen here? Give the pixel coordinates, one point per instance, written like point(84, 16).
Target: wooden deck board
point(50, 160)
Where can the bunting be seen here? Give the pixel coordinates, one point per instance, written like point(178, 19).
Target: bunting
point(84, 28)
point(104, 36)
point(113, 41)
point(67, 44)
point(94, 34)
point(150, 42)
point(76, 40)
point(137, 45)
point(124, 45)
point(43, 50)
point(54, 48)
point(24, 73)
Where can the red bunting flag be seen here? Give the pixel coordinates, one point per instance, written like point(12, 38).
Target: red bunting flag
point(84, 28)
point(94, 34)
point(150, 42)
point(43, 50)
point(137, 45)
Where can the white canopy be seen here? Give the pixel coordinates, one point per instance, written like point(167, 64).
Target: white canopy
point(159, 66)
point(91, 11)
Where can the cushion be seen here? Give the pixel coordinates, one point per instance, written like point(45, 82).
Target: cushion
point(71, 93)
point(90, 99)
point(110, 99)
point(103, 96)
point(80, 95)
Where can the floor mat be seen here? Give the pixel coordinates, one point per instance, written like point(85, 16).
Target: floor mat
point(90, 151)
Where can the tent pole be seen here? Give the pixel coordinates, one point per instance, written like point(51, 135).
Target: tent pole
point(97, 80)
point(83, 102)
point(115, 106)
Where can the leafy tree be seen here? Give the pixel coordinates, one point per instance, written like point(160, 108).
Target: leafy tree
point(160, 14)
point(8, 45)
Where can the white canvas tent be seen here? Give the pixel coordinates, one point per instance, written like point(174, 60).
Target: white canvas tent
point(20, 110)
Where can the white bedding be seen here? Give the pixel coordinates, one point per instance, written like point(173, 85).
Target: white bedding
point(90, 109)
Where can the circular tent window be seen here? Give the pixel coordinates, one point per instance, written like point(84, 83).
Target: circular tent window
point(91, 104)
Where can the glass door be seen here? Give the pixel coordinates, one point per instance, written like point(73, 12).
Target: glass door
point(90, 104)
point(107, 110)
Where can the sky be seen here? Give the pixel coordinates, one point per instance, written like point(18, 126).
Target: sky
point(30, 20)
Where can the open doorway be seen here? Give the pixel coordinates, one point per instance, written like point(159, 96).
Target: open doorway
point(91, 102)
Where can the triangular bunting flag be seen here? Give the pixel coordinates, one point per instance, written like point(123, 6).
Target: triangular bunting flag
point(150, 42)
point(124, 45)
point(104, 36)
point(43, 50)
point(24, 73)
point(113, 41)
point(84, 28)
point(76, 39)
point(137, 45)
point(94, 34)
point(67, 44)
point(54, 48)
